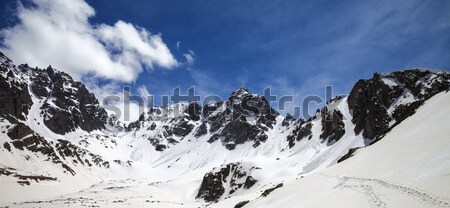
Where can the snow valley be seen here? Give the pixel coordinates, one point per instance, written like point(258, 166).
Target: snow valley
point(384, 145)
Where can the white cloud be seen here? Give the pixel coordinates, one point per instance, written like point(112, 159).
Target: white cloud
point(178, 44)
point(189, 56)
point(58, 33)
point(143, 92)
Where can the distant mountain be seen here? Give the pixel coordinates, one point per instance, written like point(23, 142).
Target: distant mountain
point(53, 132)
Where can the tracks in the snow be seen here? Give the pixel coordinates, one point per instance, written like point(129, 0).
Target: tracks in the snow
point(377, 190)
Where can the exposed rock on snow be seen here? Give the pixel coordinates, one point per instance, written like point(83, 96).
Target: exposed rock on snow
point(302, 130)
point(374, 101)
point(226, 179)
point(244, 117)
point(68, 104)
point(15, 101)
point(333, 127)
point(270, 190)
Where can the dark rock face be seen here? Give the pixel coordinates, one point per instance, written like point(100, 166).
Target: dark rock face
point(135, 125)
point(287, 120)
point(333, 127)
point(331, 121)
point(193, 111)
point(183, 128)
point(404, 111)
point(19, 131)
point(243, 117)
point(202, 130)
point(152, 127)
point(239, 132)
point(302, 130)
point(249, 182)
point(212, 187)
point(210, 108)
point(7, 146)
point(369, 100)
point(160, 147)
point(68, 103)
point(15, 101)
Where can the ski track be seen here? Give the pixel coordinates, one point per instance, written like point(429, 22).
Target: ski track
point(370, 188)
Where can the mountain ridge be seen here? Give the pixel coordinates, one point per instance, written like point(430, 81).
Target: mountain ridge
point(49, 120)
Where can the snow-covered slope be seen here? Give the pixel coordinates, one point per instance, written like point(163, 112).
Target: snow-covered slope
point(409, 167)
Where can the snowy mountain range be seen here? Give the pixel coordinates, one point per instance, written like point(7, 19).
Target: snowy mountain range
point(384, 145)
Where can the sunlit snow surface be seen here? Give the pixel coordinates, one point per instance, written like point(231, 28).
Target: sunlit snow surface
point(410, 167)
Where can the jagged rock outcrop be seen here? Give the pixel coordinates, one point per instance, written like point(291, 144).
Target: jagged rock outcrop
point(226, 179)
point(78, 155)
point(375, 105)
point(24, 138)
point(287, 120)
point(381, 101)
point(114, 122)
point(333, 127)
point(193, 111)
point(330, 120)
point(244, 117)
point(19, 131)
point(66, 104)
point(302, 130)
point(201, 130)
point(167, 125)
point(15, 101)
point(51, 100)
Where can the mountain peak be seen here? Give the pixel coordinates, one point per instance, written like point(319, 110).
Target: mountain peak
point(240, 91)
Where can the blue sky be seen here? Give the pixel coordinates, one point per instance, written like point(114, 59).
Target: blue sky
point(297, 47)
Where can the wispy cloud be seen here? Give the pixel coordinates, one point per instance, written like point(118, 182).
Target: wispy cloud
point(143, 92)
point(189, 56)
